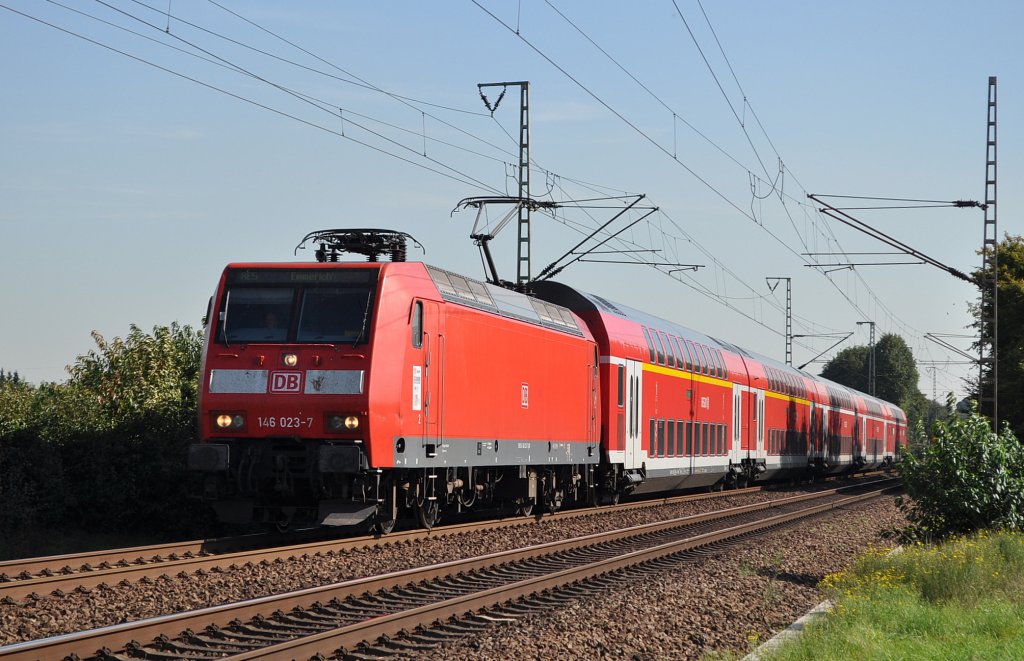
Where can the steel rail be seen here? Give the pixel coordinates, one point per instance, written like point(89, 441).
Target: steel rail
point(372, 629)
point(118, 636)
point(55, 573)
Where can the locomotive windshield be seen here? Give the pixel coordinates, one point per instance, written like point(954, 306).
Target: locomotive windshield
point(315, 306)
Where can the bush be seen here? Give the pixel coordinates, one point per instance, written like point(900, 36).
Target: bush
point(105, 452)
point(966, 480)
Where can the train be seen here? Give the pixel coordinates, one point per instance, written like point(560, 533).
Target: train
point(363, 393)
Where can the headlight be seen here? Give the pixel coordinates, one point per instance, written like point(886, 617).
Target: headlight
point(341, 424)
point(290, 359)
point(230, 421)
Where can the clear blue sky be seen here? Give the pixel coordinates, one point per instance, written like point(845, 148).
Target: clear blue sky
point(125, 188)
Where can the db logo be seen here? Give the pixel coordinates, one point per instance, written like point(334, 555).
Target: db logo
point(525, 396)
point(285, 381)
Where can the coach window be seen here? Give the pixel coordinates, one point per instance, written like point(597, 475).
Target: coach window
point(650, 344)
point(707, 360)
point(698, 361)
point(697, 364)
point(680, 355)
point(713, 360)
point(669, 356)
point(680, 448)
point(622, 385)
point(684, 353)
point(670, 447)
point(658, 347)
point(650, 440)
point(722, 371)
point(661, 438)
point(705, 439)
point(417, 324)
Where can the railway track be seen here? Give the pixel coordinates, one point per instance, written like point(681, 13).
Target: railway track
point(352, 614)
point(34, 577)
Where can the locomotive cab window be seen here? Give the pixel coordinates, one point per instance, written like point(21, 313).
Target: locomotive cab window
point(332, 314)
point(316, 306)
point(257, 314)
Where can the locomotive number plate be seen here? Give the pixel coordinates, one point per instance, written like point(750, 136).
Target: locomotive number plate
point(284, 422)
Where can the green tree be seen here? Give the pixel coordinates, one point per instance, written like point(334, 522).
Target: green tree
point(896, 372)
point(12, 378)
point(1011, 332)
point(849, 367)
point(926, 411)
point(141, 373)
point(966, 479)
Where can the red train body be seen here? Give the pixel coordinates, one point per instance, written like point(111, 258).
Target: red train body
point(341, 393)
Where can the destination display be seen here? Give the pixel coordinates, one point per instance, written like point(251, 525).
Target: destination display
point(315, 276)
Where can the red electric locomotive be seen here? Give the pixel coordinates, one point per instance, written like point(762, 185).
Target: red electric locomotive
point(336, 392)
point(341, 393)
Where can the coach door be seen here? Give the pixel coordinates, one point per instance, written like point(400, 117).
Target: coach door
point(759, 424)
point(735, 455)
point(634, 427)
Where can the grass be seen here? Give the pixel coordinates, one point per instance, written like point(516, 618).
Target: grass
point(961, 600)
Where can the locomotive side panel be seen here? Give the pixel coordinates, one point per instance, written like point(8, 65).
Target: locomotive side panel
point(506, 393)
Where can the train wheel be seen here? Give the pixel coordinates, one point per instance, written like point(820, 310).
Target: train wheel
point(524, 506)
point(553, 502)
point(383, 526)
point(428, 512)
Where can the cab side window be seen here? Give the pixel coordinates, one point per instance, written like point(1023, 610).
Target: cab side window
point(417, 324)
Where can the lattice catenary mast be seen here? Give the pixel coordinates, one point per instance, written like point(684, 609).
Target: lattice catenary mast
point(988, 343)
point(523, 253)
